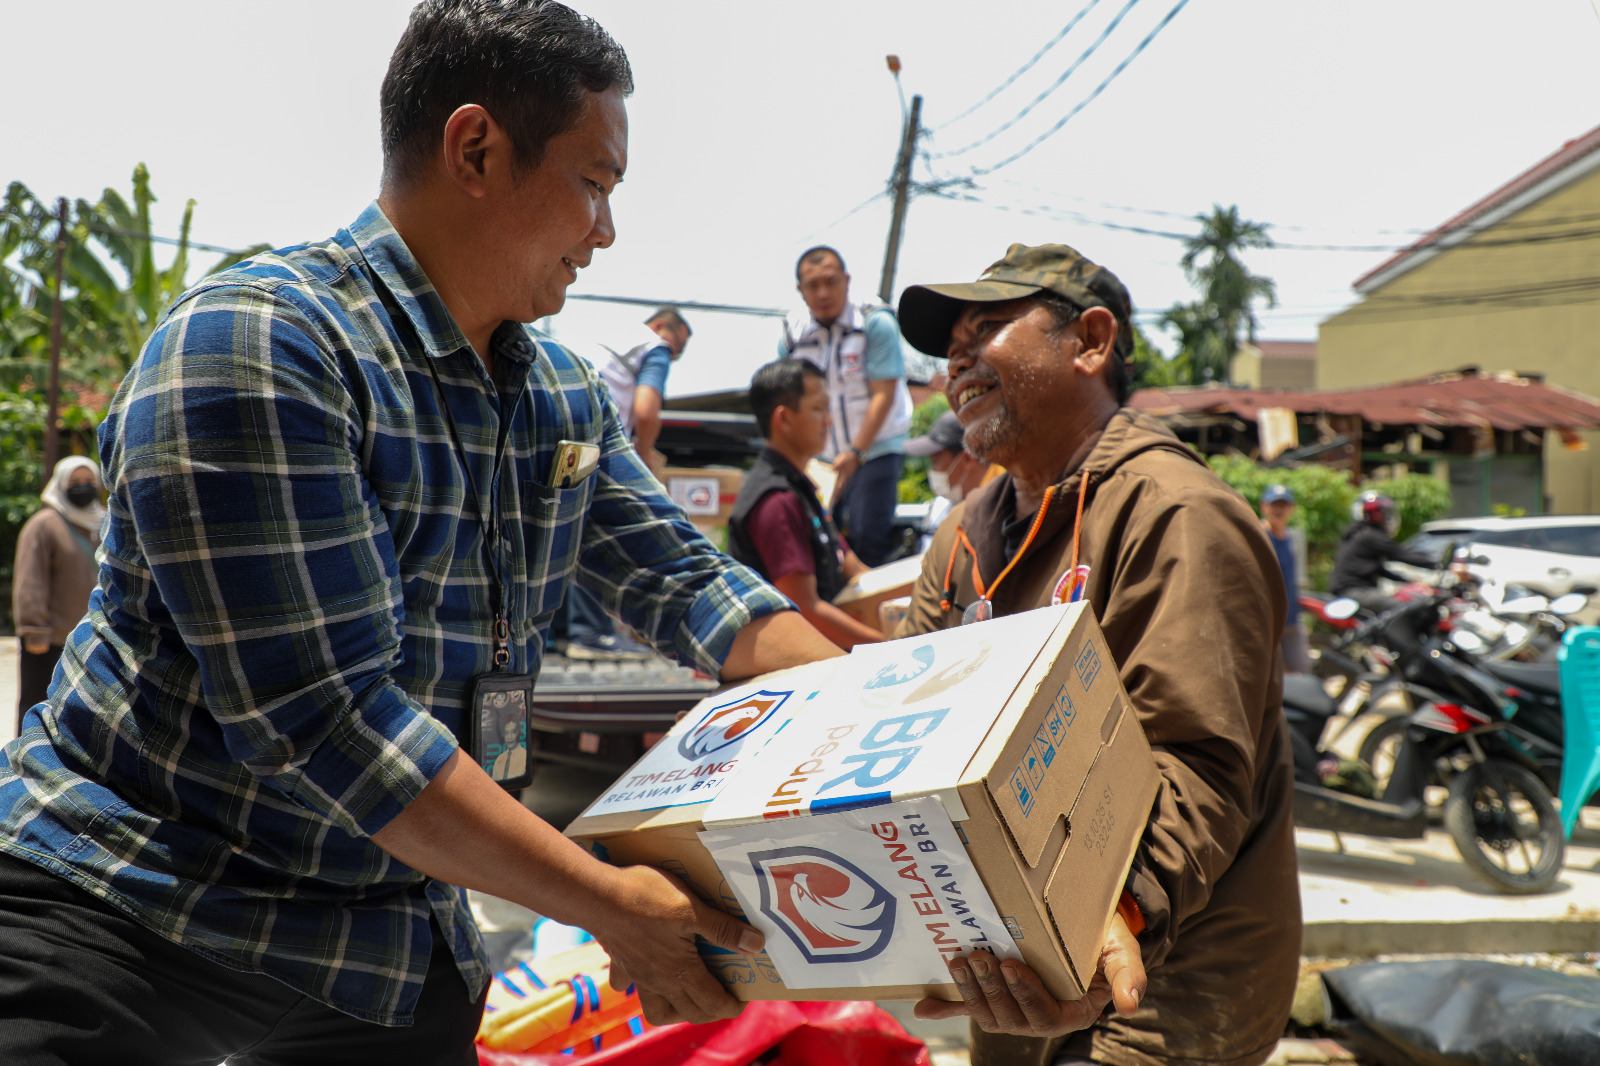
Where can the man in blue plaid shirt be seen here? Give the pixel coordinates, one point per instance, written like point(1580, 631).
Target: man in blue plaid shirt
point(240, 827)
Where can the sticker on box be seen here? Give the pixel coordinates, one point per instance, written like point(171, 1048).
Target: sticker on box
point(831, 892)
point(692, 762)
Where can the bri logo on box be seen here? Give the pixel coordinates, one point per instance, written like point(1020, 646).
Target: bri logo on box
point(825, 904)
point(915, 664)
point(908, 667)
point(728, 725)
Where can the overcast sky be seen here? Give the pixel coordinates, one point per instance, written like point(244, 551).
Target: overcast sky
point(757, 127)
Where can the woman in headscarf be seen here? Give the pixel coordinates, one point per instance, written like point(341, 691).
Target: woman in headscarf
point(55, 572)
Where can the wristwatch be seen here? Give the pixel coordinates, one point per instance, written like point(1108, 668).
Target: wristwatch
point(855, 452)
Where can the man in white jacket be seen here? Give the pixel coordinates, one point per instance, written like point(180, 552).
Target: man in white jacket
point(858, 349)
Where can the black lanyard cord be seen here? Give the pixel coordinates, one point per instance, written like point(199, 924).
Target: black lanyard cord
point(490, 523)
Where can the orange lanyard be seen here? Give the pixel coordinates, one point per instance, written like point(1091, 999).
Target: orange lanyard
point(947, 601)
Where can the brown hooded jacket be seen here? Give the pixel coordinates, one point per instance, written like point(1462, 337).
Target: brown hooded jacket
point(1191, 600)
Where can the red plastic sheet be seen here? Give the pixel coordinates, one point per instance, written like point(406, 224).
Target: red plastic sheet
point(803, 1034)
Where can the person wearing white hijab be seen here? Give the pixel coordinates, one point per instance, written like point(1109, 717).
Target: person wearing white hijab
point(55, 572)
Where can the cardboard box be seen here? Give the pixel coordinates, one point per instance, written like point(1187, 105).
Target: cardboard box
point(980, 787)
point(1017, 734)
point(706, 494)
point(862, 597)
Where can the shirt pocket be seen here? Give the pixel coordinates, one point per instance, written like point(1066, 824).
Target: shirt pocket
point(552, 528)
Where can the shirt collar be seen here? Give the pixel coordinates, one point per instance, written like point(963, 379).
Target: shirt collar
point(386, 254)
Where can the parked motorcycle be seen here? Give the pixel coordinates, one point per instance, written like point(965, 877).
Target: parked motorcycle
point(1499, 813)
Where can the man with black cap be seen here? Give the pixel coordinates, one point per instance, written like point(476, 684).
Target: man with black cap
point(952, 473)
point(1101, 504)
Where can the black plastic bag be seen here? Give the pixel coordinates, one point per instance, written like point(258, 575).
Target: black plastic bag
point(1455, 1012)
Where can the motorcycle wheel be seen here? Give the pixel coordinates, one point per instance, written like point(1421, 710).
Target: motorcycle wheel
point(1379, 747)
point(1504, 823)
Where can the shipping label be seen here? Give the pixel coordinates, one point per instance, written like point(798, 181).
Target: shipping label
point(861, 898)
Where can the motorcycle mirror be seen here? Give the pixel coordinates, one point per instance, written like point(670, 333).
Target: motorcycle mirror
point(1342, 608)
point(1571, 603)
point(1467, 641)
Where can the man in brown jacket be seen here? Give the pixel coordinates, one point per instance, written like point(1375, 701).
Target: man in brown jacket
point(1105, 504)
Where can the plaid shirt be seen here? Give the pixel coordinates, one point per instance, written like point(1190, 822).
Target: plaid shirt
point(293, 600)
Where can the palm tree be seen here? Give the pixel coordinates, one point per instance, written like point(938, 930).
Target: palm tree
point(1202, 352)
point(1211, 258)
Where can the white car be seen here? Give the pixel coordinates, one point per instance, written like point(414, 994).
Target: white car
point(1552, 555)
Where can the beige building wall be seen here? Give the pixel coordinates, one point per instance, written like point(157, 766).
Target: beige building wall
point(1544, 320)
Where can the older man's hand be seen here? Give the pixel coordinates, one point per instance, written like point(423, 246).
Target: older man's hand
point(1006, 996)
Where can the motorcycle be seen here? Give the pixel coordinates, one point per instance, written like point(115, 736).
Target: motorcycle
point(1499, 813)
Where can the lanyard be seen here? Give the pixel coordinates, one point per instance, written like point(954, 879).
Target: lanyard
point(490, 523)
point(982, 609)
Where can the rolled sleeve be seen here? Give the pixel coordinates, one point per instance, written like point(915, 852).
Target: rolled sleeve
point(242, 473)
point(650, 567)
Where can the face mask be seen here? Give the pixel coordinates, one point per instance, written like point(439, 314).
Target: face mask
point(939, 482)
point(81, 495)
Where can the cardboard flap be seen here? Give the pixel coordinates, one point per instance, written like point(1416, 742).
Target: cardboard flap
point(1088, 878)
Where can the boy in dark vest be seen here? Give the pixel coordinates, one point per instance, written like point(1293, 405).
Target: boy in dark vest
point(779, 526)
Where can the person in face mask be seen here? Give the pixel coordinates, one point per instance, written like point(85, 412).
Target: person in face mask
point(55, 571)
point(952, 471)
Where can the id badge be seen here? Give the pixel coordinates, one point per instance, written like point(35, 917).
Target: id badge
point(574, 461)
point(501, 712)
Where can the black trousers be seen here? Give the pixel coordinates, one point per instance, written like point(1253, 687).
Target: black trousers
point(34, 670)
point(82, 984)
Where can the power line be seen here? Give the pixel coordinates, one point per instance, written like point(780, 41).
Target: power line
point(1116, 20)
point(140, 235)
point(687, 305)
point(1029, 65)
point(857, 209)
point(1064, 215)
point(1472, 225)
point(1086, 101)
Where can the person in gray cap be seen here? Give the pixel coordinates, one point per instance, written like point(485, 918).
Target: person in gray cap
point(1289, 545)
point(1104, 505)
point(952, 473)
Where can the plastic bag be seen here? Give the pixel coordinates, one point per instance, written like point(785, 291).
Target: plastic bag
point(1467, 1012)
point(802, 1033)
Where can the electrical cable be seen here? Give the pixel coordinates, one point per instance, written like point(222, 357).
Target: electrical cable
point(1093, 95)
point(1029, 65)
point(1027, 108)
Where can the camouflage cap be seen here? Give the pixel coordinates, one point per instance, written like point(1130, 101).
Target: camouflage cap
point(927, 312)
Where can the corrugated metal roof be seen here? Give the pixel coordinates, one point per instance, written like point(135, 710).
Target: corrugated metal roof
point(1463, 399)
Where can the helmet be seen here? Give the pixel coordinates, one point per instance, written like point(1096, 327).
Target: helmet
point(1379, 510)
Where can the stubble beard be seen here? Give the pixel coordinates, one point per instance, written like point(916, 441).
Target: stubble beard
point(997, 436)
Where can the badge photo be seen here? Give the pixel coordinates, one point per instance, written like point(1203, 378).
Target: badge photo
point(501, 716)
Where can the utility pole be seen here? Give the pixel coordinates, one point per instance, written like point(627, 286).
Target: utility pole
point(902, 191)
point(52, 435)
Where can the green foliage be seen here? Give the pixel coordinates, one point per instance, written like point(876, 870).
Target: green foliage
point(21, 435)
point(114, 291)
point(1418, 497)
point(1509, 510)
point(1322, 503)
point(1152, 370)
point(914, 480)
point(1210, 328)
